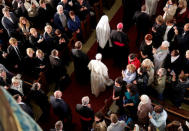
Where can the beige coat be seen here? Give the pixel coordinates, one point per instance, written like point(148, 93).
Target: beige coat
point(169, 12)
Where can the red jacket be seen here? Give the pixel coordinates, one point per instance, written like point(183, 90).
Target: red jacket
point(135, 62)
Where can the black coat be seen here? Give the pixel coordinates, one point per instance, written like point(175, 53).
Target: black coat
point(182, 41)
point(60, 108)
point(81, 61)
point(158, 35)
point(142, 21)
point(85, 111)
point(173, 66)
point(9, 26)
point(13, 57)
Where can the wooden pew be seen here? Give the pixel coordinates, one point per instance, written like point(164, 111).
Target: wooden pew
point(173, 113)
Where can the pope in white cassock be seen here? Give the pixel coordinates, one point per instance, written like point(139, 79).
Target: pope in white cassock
point(99, 75)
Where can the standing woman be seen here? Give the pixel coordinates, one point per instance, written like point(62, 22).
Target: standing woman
point(24, 25)
point(144, 107)
point(103, 34)
point(169, 10)
point(160, 82)
point(99, 75)
point(148, 64)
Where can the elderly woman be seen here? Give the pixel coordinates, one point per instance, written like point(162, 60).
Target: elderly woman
point(146, 47)
point(30, 62)
point(129, 74)
point(49, 37)
point(182, 13)
point(159, 82)
point(160, 54)
point(144, 107)
point(169, 10)
point(99, 75)
point(36, 39)
point(148, 64)
point(103, 33)
point(17, 84)
point(41, 61)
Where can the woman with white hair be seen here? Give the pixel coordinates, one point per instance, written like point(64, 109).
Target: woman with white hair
point(160, 82)
point(103, 33)
point(144, 107)
point(99, 75)
point(148, 64)
point(160, 54)
point(17, 84)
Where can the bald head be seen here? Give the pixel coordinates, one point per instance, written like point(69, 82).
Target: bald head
point(57, 94)
point(186, 27)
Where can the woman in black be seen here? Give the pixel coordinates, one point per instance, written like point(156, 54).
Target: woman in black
point(146, 47)
point(118, 93)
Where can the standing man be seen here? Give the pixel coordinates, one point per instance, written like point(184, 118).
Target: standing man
point(99, 75)
point(143, 23)
point(86, 113)
point(120, 45)
point(61, 109)
point(10, 22)
point(81, 62)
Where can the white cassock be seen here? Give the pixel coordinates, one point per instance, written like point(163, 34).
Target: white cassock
point(103, 32)
point(151, 6)
point(99, 77)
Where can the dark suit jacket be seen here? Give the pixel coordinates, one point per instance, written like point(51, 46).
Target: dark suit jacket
point(171, 34)
point(60, 108)
point(182, 41)
point(57, 22)
point(142, 20)
point(8, 25)
point(12, 55)
point(158, 35)
point(85, 111)
point(173, 66)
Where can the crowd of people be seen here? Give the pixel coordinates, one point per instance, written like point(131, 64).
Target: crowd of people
point(38, 33)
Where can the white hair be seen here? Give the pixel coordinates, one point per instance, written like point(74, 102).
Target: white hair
point(85, 100)
point(59, 7)
point(98, 56)
point(165, 44)
point(144, 99)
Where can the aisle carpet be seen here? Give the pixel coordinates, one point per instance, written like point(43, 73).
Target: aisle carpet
point(74, 92)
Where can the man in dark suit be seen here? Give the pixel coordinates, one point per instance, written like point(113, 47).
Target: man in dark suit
point(25, 107)
point(86, 113)
point(59, 71)
point(143, 22)
point(61, 109)
point(182, 37)
point(15, 54)
point(67, 4)
point(169, 33)
point(10, 23)
point(60, 19)
point(81, 62)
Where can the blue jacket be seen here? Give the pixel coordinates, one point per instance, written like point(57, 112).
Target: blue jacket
point(74, 25)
